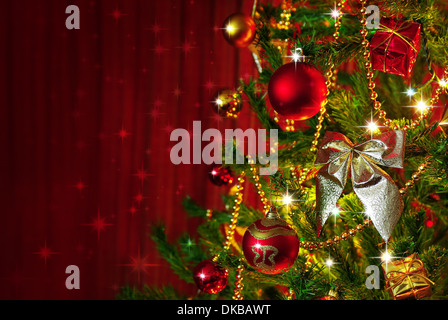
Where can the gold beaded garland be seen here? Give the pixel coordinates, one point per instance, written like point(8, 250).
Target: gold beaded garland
point(236, 207)
point(239, 285)
point(336, 239)
point(330, 83)
point(415, 176)
point(263, 199)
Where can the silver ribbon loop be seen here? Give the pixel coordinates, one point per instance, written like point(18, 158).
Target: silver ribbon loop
point(374, 187)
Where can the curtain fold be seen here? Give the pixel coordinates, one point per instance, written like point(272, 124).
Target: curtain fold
point(86, 117)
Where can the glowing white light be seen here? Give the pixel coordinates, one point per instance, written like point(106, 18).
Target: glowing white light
point(335, 13)
point(421, 106)
point(372, 126)
point(386, 257)
point(287, 200)
point(214, 173)
point(330, 263)
point(202, 276)
point(410, 92)
point(443, 83)
point(296, 57)
point(258, 246)
point(230, 28)
point(219, 102)
point(335, 213)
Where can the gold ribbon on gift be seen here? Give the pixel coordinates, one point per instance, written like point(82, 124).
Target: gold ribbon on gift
point(373, 186)
point(394, 32)
point(405, 281)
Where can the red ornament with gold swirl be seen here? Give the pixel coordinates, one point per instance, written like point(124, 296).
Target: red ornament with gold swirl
point(270, 245)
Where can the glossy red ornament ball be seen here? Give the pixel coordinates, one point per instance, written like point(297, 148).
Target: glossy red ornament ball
point(210, 277)
point(297, 91)
point(270, 245)
point(220, 175)
point(239, 30)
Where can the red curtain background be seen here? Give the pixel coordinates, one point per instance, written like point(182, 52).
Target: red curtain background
point(86, 117)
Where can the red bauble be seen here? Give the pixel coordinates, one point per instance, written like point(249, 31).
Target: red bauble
point(209, 277)
point(297, 91)
point(270, 245)
point(239, 30)
point(220, 175)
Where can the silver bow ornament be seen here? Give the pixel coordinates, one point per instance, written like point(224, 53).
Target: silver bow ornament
point(374, 187)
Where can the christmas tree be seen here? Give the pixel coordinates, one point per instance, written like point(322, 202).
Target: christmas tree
point(356, 208)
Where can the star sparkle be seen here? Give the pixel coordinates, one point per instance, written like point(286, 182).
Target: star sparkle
point(209, 85)
point(188, 244)
point(142, 174)
point(421, 106)
point(329, 262)
point(386, 257)
point(98, 224)
point(297, 56)
point(80, 186)
point(371, 126)
point(336, 213)
point(156, 29)
point(45, 252)
point(159, 49)
point(117, 14)
point(335, 13)
point(139, 264)
point(186, 47)
point(139, 198)
point(410, 92)
point(133, 210)
point(155, 114)
point(286, 199)
point(123, 134)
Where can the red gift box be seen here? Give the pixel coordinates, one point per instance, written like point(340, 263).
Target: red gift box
point(395, 46)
